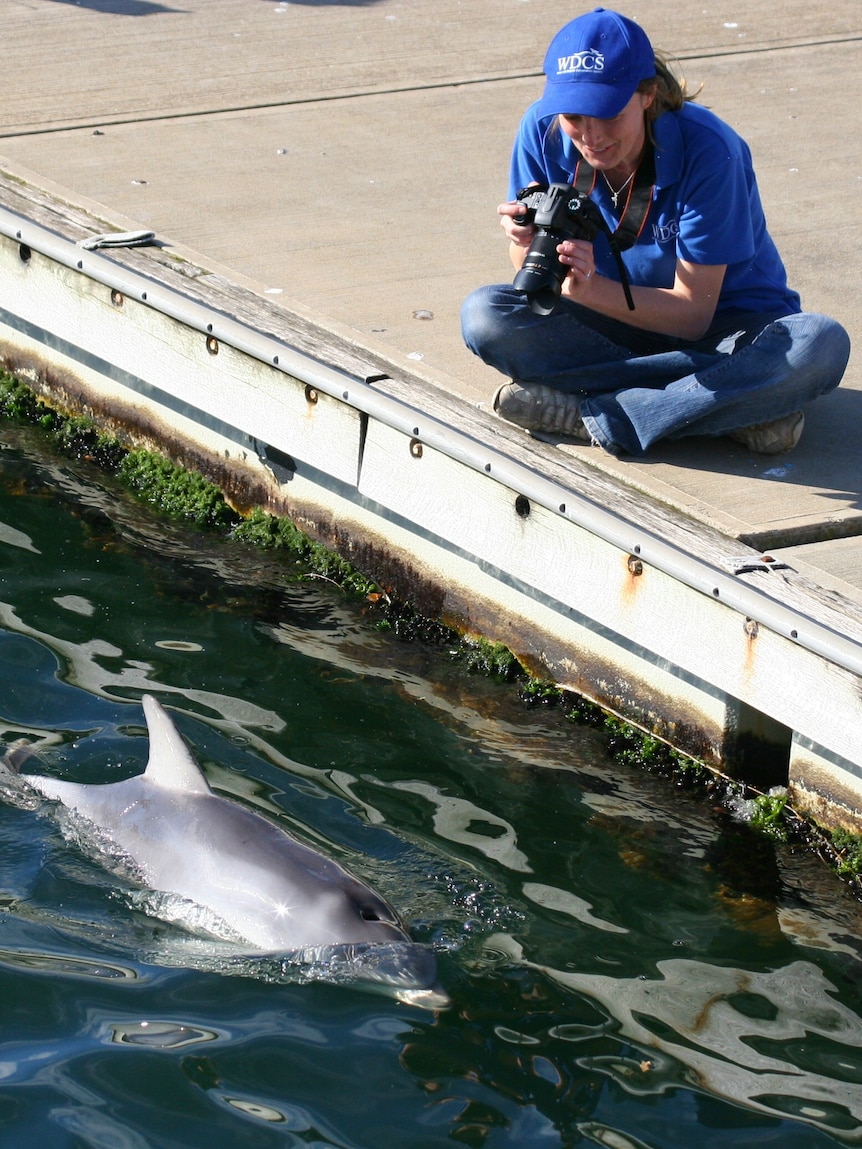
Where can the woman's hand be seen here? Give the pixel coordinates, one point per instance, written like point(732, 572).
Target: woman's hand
point(520, 234)
point(577, 256)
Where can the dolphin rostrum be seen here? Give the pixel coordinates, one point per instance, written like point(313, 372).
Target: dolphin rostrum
point(273, 893)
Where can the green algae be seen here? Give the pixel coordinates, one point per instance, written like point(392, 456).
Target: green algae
point(493, 659)
point(75, 436)
point(178, 492)
point(767, 814)
point(848, 853)
point(270, 532)
point(18, 402)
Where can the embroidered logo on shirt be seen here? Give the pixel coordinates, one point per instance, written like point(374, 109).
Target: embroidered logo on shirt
point(666, 232)
point(589, 60)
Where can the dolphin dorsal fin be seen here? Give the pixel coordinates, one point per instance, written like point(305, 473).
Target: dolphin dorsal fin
point(170, 764)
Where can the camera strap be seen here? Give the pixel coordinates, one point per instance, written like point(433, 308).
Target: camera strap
point(635, 210)
point(638, 202)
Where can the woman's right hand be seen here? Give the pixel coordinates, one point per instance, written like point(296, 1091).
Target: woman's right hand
point(518, 233)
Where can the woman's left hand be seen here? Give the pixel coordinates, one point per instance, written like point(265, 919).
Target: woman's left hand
point(577, 255)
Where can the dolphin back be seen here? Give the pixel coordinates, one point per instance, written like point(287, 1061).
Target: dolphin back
point(269, 889)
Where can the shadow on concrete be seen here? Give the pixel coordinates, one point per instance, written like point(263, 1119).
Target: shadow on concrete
point(826, 457)
point(327, 3)
point(122, 7)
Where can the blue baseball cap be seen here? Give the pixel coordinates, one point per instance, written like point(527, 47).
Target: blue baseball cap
point(594, 65)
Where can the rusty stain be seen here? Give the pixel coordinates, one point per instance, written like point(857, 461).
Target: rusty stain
point(702, 1019)
point(751, 630)
point(633, 572)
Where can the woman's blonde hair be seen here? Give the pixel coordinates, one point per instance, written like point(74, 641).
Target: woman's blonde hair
point(670, 92)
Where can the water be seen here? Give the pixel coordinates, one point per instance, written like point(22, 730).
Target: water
point(628, 967)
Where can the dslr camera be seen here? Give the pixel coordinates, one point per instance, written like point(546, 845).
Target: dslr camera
point(558, 212)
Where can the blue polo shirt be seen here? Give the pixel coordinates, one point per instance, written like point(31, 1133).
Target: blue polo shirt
point(706, 207)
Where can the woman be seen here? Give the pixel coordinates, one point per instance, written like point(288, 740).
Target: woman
point(716, 342)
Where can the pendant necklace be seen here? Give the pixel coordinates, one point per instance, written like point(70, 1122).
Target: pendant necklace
point(615, 195)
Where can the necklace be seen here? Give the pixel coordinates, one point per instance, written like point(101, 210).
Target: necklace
point(615, 195)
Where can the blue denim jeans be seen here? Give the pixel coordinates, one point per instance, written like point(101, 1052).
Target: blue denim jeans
point(635, 387)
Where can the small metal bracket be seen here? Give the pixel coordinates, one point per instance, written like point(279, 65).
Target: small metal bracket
point(743, 564)
point(117, 239)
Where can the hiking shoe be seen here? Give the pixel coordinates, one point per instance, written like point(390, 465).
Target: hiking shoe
point(772, 438)
point(537, 407)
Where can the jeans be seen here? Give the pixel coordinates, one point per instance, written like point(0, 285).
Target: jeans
point(636, 387)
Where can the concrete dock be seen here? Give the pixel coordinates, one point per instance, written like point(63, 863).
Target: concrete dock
point(343, 162)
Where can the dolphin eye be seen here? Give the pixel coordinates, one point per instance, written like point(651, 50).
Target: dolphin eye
point(369, 915)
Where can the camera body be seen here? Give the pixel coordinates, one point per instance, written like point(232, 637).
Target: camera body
point(558, 212)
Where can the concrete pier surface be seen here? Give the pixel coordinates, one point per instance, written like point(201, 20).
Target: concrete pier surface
point(345, 160)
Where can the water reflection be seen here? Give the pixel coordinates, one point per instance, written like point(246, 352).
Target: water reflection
point(778, 1041)
point(563, 901)
point(12, 537)
point(159, 1034)
point(64, 965)
point(261, 1112)
point(83, 665)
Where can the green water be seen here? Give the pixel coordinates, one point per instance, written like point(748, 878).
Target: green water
point(628, 966)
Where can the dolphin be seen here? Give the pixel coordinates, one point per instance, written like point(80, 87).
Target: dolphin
point(273, 893)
